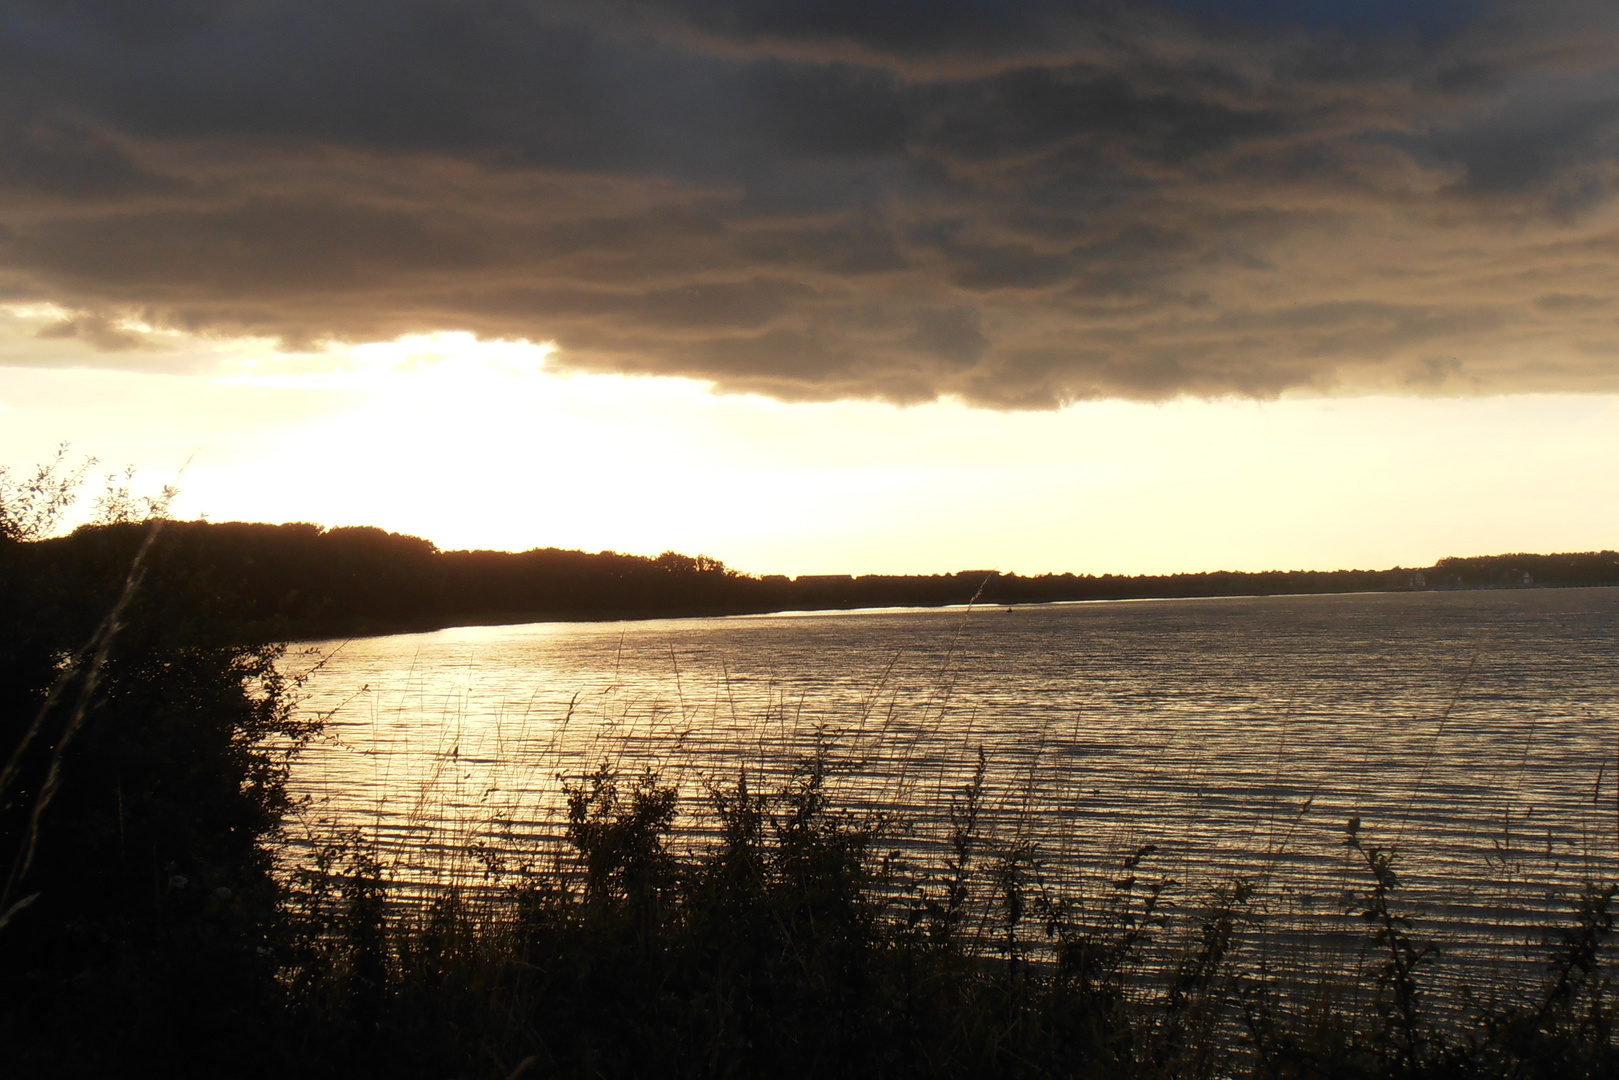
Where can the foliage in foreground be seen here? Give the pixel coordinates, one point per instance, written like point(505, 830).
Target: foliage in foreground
point(799, 943)
point(146, 932)
point(142, 789)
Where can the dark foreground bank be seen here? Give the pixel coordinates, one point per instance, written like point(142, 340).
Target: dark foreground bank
point(300, 582)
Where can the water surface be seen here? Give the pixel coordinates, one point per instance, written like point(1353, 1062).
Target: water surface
point(1475, 732)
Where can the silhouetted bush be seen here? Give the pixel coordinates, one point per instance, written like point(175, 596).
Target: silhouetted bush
point(797, 942)
point(143, 786)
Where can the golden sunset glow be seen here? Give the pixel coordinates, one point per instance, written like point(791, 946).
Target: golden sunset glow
point(480, 445)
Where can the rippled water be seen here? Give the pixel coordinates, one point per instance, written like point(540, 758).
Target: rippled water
point(1475, 732)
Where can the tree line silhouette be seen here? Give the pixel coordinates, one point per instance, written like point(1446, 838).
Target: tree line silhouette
point(303, 581)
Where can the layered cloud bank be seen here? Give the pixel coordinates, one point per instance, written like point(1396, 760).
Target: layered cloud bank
point(1018, 204)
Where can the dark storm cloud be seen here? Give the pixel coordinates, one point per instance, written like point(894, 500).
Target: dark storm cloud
point(1022, 203)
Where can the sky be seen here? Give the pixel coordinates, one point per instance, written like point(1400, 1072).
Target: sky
point(821, 287)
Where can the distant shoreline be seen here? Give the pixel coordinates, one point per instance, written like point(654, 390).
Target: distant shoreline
point(301, 583)
point(896, 609)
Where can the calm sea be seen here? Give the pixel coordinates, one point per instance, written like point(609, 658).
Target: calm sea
point(1476, 733)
